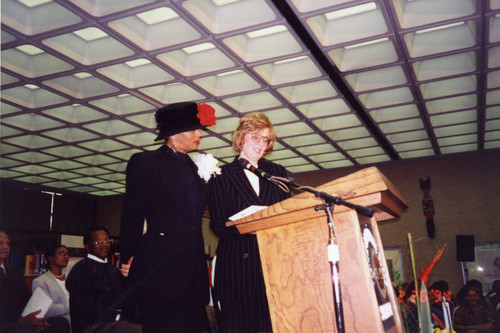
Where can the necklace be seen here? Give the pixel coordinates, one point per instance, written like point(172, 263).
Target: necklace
point(57, 276)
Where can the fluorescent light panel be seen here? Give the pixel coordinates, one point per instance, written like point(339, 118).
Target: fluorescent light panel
point(157, 15)
point(441, 27)
point(30, 49)
point(90, 34)
point(376, 41)
point(351, 11)
point(198, 48)
point(267, 31)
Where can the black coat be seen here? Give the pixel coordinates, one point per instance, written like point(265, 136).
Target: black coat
point(169, 270)
point(239, 284)
point(95, 293)
point(14, 295)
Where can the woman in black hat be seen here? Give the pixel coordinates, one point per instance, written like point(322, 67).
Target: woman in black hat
point(168, 277)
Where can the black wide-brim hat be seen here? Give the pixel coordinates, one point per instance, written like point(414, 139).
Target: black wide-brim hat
point(177, 118)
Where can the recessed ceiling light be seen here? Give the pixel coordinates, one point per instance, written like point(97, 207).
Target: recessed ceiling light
point(33, 3)
point(441, 27)
point(370, 42)
point(157, 15)
point(30, 49)
point(351, 11)
point(32, 86)
point(137, 62)
point(230, 73)
point(290, 60)
point(198, 48)
point(90, 34)
point(82, 75)
point(223, 2)
point(266, 31)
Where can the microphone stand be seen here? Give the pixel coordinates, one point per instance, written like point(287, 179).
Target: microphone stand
point(334, 258)
point(334, 200)
point(325, 196)
point(333, 249)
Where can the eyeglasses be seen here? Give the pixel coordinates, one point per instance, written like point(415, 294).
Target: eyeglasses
point(257, 138)
point(101, 241)
point(63, 254)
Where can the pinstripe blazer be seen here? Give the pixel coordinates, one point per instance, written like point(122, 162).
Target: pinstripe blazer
point(60, 305)
point(239, 290)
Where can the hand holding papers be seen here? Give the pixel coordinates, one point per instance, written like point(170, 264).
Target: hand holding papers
point(38, 301)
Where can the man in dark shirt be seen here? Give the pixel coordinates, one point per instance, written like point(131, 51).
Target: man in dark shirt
point(95, 290)
point(14, 295)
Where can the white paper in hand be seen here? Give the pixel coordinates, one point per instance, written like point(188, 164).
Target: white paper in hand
point(245, 212)
point(38, 301)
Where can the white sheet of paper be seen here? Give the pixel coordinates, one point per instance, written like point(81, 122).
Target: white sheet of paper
point(38, 301)
point(245, 212)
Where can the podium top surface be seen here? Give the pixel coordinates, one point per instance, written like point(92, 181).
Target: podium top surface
point(367, 187)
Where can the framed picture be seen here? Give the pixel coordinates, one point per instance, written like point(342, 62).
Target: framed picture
point(394, 258)
point(486, 267)
point(74, 244)
point(72, 241)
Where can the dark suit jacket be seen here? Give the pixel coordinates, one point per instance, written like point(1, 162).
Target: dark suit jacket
point(14, 295)
point(239, 284)
point(169, 263)
point(95, 293)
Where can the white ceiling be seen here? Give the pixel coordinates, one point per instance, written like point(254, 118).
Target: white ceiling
point(345, 82)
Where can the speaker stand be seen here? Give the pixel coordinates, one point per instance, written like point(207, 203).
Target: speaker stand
point(465, 272)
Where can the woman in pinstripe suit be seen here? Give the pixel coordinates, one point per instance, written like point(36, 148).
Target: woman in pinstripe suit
point(239, 291)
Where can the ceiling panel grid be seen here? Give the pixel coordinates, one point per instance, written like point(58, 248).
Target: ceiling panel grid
point(344, 82)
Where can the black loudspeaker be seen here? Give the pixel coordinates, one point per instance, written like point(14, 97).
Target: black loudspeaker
point(465, 248)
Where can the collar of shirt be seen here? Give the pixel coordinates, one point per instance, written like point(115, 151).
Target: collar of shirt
point(93, 257)
point(254, 180)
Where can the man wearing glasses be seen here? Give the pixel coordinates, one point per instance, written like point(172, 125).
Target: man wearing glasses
point(95, 289)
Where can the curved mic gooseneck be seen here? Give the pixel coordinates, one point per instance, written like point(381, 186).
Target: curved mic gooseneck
point(281, 182)
point(278, 181)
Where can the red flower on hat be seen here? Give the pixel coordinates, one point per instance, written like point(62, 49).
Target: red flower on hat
point(206, 114)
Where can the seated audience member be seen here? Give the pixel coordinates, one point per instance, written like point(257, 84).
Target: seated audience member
point(14, 295)
point(494, 297)
point(95, 290)
point(471, 283)
point(494, 294)
point(53, 282)
point(411, 311)
point(440, 289)
point(474, 314)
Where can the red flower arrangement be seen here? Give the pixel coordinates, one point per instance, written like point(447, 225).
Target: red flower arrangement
point(206, 114)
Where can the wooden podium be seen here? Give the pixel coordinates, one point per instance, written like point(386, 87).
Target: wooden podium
point(293, 239)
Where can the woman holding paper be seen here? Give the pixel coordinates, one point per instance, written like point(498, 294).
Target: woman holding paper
point(238, 290)
point(52, 283)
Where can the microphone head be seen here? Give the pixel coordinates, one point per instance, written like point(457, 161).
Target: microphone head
point(244, 164)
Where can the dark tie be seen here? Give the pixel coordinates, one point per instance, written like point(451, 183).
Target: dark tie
point(2, 273)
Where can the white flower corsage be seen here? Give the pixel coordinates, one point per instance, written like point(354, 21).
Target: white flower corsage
point(207, 165)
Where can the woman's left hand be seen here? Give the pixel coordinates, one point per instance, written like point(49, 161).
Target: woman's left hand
point(125, 268)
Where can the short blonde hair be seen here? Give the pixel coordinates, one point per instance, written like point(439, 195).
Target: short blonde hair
point(252, 123)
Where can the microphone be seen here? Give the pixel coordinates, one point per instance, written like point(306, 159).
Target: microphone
point(244, 164)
